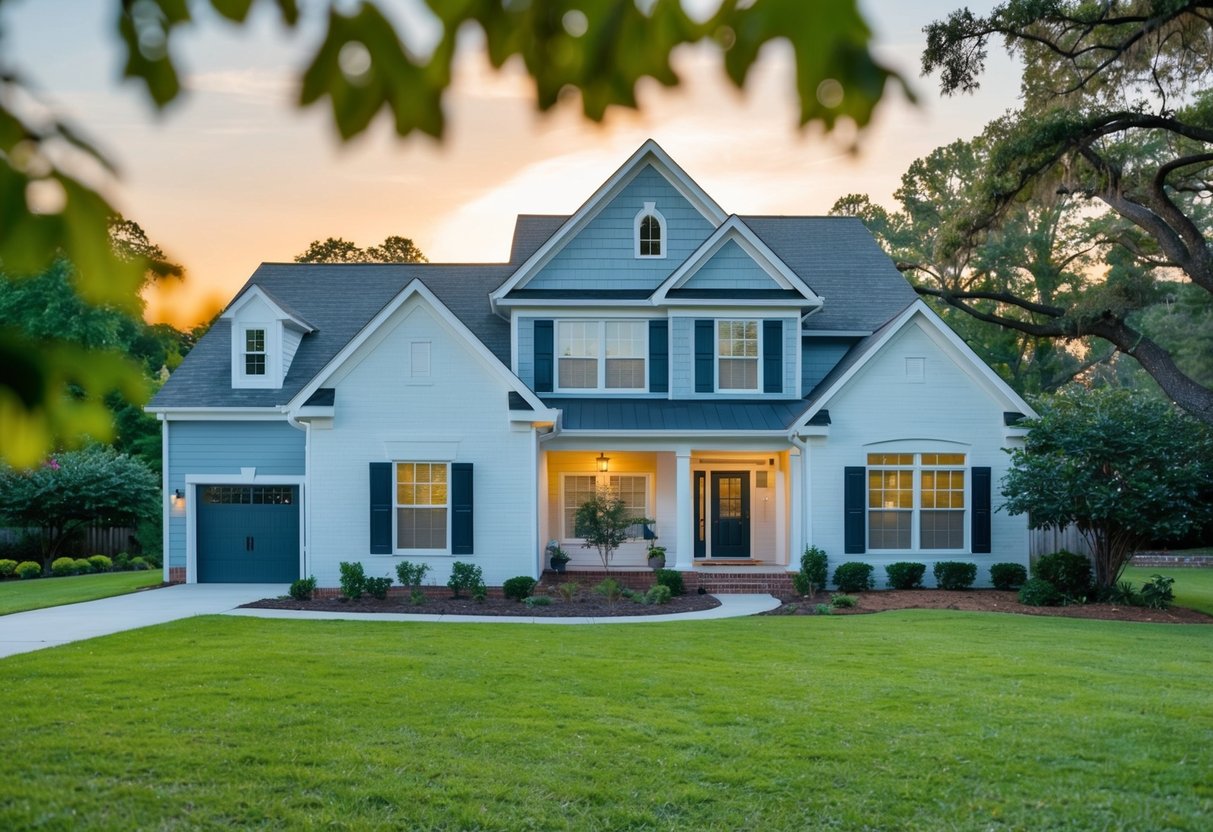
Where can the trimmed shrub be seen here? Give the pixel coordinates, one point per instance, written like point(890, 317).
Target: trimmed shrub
point(823, 609)
point(1069, 573)
point(845, 601)
point(1156, 593)
point(62, 567)
point(27, 569)
point(353, 580)
point(101, 563)
point(537, 601)
point(154, 559)
point(122, 562)
point(1008, 575)
point(466, 576)
point(1037, 592)
point(7, 568)
point(377, 587)
point(671, 578)
point(802, 584)
point(303, 588)
point(83, 567)
point(659, 594)
point(813, 565)
point(479, 593)
point(854, 576)
point(411, 574)
point(955, 574)
point(905, 575)
point(140, 564)
point(518, 588)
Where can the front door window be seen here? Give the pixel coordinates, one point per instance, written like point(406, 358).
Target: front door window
point(730, 507)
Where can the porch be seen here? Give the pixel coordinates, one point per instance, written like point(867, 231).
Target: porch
point(725, 513)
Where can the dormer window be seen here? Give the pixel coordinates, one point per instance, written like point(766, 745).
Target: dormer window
point(254, 352)
point(650, 232)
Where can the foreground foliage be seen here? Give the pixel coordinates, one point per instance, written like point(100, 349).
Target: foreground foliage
point(222, 722)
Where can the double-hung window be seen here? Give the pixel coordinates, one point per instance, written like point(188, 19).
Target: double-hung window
point(601, 355)
point(254, 352)
point(576, 489)
point(422, 501)
point(916, 501)
point(737, 355)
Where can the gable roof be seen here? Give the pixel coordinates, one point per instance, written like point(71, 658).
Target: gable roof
point(649, 154)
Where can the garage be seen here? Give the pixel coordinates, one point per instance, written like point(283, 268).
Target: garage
point(248, 533)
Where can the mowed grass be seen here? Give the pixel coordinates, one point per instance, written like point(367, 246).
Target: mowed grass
point(19, 596)
point(1193, 586)
point(930, 720)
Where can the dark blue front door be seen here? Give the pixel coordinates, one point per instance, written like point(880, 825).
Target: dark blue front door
point(730, 514)
point(248, 533)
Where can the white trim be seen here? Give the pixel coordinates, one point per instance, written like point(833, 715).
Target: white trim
point(734, 391)
point(649, 153)
point(166, 505)
point(968, 359)
point(254, 291)
point(601, 358)
point(835, 333)
point(734, 230)
point(247, 476)
point(416, 287)
point(397, 552)
point(916, 469)
point(650, 210)
point(219, 414)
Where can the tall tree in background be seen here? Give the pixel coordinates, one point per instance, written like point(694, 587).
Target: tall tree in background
point(1117, 113)
point(360, 67)
point(338, 250)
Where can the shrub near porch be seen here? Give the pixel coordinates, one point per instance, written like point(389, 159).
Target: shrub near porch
point(908, 720)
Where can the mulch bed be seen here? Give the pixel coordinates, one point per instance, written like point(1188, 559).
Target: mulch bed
point(585, 605)
point(985, 600)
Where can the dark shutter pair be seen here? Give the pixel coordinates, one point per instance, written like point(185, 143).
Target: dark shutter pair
point(382, 506)
point(659, 356)
point(772, 356)
point(855, 499)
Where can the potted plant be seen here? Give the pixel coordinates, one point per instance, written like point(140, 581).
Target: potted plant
point(656, 557)
point(558, 557)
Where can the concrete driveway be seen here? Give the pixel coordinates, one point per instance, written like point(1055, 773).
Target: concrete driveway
point(22, 632)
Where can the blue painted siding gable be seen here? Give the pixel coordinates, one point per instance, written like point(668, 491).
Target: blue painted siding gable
point(730, 268)
point(818, 357)
point(603, 254)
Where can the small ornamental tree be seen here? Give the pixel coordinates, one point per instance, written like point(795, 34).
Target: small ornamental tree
point(1123, 467)
point(96, 486)
point(604, 523)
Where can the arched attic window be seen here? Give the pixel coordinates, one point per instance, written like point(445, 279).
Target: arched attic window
point(650, 232)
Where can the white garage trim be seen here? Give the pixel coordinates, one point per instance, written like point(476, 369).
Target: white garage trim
point(248, 476)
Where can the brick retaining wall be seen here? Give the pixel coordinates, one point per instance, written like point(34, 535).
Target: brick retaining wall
point(1167, 559)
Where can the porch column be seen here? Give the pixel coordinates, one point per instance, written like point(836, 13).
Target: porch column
point(684, 525)
point(799, 506)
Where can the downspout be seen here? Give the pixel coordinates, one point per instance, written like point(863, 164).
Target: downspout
point(306, 427)
point(806, 513)
point(166, 501)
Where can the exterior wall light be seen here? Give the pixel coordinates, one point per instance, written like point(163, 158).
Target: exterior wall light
point(604, 462)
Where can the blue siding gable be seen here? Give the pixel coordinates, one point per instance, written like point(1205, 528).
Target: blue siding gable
point(818, 357)
point(730, 268)
point(603, 254)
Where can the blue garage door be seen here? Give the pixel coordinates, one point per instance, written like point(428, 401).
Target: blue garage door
point(248, 533)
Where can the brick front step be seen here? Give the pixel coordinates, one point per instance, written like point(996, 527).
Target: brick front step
point(1164, 559)
point(774, 583)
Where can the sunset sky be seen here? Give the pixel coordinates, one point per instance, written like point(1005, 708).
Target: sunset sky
point(234, 174)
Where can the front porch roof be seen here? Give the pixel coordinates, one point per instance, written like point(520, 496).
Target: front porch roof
point(665, 414)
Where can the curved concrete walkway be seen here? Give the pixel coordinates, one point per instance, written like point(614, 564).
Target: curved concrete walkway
point(22, 632)
point(731, 606)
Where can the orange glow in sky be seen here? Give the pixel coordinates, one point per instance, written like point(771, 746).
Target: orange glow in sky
point(234, 174)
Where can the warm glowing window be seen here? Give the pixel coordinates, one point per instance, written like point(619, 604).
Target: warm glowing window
point(601, 355)
point(916, 497)
point(737, 355)
point(254, 352)
point(421, 505)
point(633, 489)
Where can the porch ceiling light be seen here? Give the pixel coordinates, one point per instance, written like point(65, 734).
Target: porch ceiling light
point(604, 462)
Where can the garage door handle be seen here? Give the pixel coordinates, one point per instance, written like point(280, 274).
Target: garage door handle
point(248, 544)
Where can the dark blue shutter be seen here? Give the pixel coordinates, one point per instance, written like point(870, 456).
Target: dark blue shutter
point(772, 356)
point(461, 508)
point(381, 508)
point(544, 348)
point(704, 356)
point(980, 532)
point(854, 501)
point(659, 356)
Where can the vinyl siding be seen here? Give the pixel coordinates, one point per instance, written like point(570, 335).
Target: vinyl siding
point(880, 405)
point(817, 357)
point(603, 254)
point(730, 268)
point(524, 360)
point(223, 448)
point(682, 359)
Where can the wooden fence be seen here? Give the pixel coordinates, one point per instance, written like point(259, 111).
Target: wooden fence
point(1047, 541)
point(107, 542)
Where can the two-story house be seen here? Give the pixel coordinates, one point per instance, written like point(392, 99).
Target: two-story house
point(753, 384)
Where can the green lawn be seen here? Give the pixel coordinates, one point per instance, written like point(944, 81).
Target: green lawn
point(19, 596)
point(1193, 587)
point(930, 720)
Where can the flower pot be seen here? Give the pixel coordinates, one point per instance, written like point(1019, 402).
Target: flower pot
point(559, 566)
point(657, 562)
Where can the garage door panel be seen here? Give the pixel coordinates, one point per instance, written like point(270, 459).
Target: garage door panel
point(248, 534)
